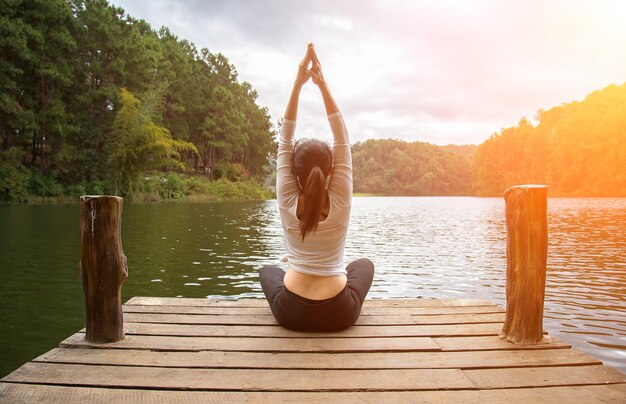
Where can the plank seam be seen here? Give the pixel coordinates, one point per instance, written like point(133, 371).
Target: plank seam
point(130, 388)
point(331, 335)
point(268, 314)
point(330, 352)
point(338, 390)
point(550, 385)
point(389, 307)
point(248, 390)
point(486, 367)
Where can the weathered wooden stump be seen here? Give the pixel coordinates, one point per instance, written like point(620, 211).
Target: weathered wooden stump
point(526, 255)
point(102, 266)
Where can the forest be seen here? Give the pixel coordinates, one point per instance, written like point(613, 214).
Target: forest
point(394, 167)
point(577, 148)
point(93, 100)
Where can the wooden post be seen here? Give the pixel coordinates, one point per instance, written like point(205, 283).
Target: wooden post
point(102, 266)
point(526, 256)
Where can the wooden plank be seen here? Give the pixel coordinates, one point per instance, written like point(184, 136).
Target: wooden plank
point(157, 342)
point(225, 319)
point(240, 379)
point(320, 360)
point(553, 376)
point(259, 319)
point(420, 302)
point(428, 311)
point(30, 393)
point(366, 311)
point(197, 310)
point(460, 318)
point(198, 302)
point(480, 343)
point(415, 302)
point(274, 331)
point(312, 344)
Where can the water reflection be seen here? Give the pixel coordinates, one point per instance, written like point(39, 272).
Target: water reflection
point(422, 247)
point(586, 284)
point(429, 247)
point(198, 250)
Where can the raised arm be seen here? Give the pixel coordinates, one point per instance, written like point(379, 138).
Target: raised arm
point(286, 184)
point(291, 113)
point(341, 179)
point(318, 79)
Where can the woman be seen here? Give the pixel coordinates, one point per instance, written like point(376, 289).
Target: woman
point(314, 191)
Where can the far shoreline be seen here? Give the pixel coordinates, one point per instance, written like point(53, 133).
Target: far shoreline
point(208, 198)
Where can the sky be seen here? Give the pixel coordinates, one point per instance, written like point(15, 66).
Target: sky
point(443, 72)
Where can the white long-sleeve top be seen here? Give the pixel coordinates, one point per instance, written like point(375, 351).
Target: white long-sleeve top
point(321, 252)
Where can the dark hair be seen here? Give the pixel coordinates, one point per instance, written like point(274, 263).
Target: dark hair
point(312, 160)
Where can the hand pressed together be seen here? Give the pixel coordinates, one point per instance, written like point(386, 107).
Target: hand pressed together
point(309, 68)
point(304, 73)
point(314, 71)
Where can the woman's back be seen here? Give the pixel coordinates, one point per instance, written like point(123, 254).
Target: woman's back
point(321, 251)
point(315, 197)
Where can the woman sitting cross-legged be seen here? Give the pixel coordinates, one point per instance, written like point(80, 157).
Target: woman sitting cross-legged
point(314, 192)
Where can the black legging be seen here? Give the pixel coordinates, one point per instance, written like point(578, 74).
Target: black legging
point(337, 313)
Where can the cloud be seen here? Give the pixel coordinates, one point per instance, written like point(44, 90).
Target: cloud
point(442, 72)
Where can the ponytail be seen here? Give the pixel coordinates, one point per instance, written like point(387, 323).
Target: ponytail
point(314, 197)
point(312, 159)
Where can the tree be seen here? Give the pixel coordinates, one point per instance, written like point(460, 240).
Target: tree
point(15, 120)
point(258, 127)
point(393, 167)
point(138, 145)
point(36, 75)
point(222, 131)
point(62, 65)
point(578, 149)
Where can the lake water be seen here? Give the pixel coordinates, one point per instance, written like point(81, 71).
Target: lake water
point(422, 247)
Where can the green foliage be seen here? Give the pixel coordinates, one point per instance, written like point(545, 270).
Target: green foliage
point(393, 167)
point(138, 145)
point(173, 186)
point(198, 185)
point(14, 177)
point(233, 128)
point(76, 189)
point(232, 172)
point(36, 75)
point(179, 186)
point(225, 189)
point(43, 185)
point(62, 67)
point(222, 128)
point(578, 149)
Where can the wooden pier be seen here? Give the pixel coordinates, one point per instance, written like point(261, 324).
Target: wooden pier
point(217, 350)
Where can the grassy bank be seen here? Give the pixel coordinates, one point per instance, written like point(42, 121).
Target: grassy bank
point(173, 186)
point(154, 188)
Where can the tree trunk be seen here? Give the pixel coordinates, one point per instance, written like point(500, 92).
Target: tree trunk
point(526, 254)
point(102, 266)
point(211, 158)
point(33, 156)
